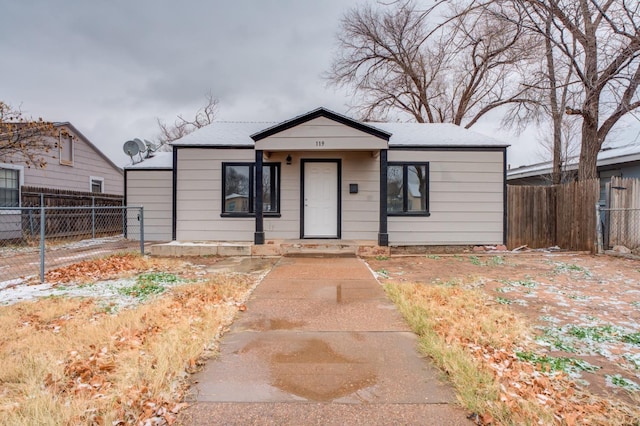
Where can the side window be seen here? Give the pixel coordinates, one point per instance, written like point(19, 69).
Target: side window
point(96, 185)
point(66, 148)
point(408, 189)
point(9, 188)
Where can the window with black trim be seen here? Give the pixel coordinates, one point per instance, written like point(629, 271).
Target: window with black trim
point(9, 188)
point(408, 189)
point(239, 189)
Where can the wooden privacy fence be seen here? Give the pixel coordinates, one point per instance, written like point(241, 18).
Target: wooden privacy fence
point(556, 215)
point(46, 197)
point(66, 222)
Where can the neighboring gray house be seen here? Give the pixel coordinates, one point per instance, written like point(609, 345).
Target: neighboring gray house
point(621, 161)
point(77, 165)
point(322, 175)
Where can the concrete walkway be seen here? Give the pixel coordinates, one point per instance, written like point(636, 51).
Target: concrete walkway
point(320, 344)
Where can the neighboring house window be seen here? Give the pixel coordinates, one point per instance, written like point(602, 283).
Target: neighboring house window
point(239, 189)
point(96, 184)
point(9, 187)
point(66, 149)
point(408, 189)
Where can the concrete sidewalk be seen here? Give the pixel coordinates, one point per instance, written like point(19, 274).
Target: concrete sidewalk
point(320, 344)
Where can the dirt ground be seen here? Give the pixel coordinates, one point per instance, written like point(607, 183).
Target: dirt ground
point(580, 306)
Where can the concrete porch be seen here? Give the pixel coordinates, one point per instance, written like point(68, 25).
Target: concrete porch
point(305, 247)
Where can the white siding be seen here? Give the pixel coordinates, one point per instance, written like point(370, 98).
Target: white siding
point(359, 211)
point(152, 190)
point(465, 192)
point(465, 199)
point(321, 134)
point(199, 195)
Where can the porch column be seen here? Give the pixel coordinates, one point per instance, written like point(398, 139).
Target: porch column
point(383, 236)
point(258, 237)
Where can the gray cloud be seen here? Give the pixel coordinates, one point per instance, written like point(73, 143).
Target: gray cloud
point(111, 67)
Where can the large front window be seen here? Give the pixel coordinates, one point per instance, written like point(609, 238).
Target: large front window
point(239, 189)
point(408, 189)
point(9, 188)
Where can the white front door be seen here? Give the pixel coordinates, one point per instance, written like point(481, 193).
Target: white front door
point(320, 201)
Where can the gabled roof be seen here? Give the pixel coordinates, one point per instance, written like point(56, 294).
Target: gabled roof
point(608, 156)
point(437, 135)
point(433, 135)
point(316, 113)
point(88, 142)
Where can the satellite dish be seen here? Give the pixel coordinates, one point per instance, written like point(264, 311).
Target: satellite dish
point(131, 148)
point(141, 146)
point(150, 146)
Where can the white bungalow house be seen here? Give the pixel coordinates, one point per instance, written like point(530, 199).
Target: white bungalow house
point(323, 175)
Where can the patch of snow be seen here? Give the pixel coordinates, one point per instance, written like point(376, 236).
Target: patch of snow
point(21, 293)
point(11, 283)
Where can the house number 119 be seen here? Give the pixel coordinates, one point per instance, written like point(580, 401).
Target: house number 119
point(319, 143)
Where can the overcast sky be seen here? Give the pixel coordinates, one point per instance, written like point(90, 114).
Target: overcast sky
point(111, 67)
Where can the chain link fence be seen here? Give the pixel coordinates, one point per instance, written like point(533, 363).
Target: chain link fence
point(621, 227)
point(34, 240)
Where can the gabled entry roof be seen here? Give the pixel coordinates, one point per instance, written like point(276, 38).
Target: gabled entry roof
point(321, 112)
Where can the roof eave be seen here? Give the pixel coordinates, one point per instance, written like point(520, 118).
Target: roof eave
point(88, 142)
point(316, 113)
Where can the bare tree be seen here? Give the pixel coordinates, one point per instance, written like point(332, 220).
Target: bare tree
point(24, 139)
point(564, 151)
point(182, 126)
point(550, 83)
point(600, 41)
point(454, 71)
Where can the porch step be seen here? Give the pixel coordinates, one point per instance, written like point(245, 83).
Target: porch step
point(319, 249)
point(309, 248)
point(201, 248)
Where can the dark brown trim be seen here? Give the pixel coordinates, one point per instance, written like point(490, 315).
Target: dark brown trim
point(125, 188)
point(216, 146)
point(321, 112)
point(505, 218)
point(338, 161)
point(258, 236)
point(447, 148)
point(125, 225)
point(174, 196)
point(383, 233)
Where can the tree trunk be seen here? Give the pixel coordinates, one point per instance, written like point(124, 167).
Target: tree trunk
point(589, 149)
point(556, 114)
point(591, 107)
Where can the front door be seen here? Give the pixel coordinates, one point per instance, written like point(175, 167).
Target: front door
point(320, 199)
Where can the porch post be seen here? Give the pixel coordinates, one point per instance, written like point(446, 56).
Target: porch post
point(258, 237)
point(383, 236)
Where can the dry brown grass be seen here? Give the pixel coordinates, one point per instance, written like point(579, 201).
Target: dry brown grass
point(67, 361)
point(474, 340)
